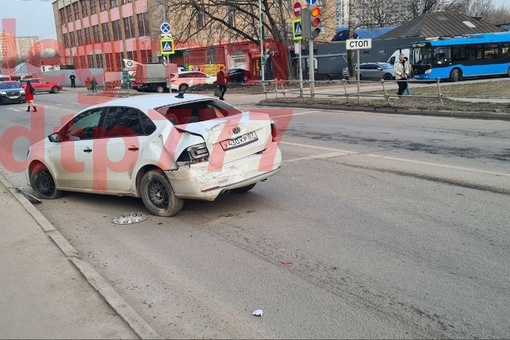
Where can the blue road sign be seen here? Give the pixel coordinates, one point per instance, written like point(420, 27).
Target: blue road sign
point(311, 2)
point(165, 27)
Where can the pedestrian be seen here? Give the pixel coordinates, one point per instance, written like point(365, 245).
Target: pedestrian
point(411, 74)
point(29, 95)
point(88, 83)
point(402, 72)
point(73, 80)
point(93, 84)
point(222, 82)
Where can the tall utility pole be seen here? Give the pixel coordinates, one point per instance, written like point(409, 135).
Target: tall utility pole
point(351, 28)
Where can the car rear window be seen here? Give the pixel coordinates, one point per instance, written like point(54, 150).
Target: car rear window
point(197, 111)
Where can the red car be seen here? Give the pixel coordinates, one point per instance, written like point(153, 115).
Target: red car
point(40, 85)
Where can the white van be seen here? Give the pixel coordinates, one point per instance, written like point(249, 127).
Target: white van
point(5, 78)
point(396, 54)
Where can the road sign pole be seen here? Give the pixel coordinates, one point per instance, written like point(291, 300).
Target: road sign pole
point(300, 69)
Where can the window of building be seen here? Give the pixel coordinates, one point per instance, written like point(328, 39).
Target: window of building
point(231, 17)
point(62, 15)
point(76, 10)
point(69, 14)
point(117, 33)
point(114, 3)
point(84, 8)
point(90, 60)
point(126, 2)
point(79, 37)
point(200, 20)
point(95, 32)
point(93, 8)
point(106, 32)
point(143, 24)
point(129, 27)
point(99, 61)
point(72, 42)
point(86, 35)
point(103, 5)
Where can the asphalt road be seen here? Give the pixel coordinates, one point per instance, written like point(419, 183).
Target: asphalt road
point(377, 226)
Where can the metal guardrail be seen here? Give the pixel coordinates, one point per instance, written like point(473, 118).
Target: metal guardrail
point(277, 87)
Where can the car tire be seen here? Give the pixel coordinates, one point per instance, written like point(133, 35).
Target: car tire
point(160, 89)
point(244, 189)
point(43, 183)
point(388, 76)
point(183, 88)
point(54, 89)
point(158, 195)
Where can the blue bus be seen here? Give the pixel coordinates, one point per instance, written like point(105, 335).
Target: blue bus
point(473, 55)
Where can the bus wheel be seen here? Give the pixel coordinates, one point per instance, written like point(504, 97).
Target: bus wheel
point(455, 75)
point(508, 73)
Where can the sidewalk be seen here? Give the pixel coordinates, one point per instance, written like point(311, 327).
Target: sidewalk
point(47, 291)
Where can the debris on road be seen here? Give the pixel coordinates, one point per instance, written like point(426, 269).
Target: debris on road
point(258, 312)
point(130, 218)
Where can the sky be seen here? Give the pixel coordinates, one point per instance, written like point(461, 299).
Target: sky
point(35, 17)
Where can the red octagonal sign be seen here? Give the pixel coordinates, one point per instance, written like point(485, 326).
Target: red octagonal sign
point(297, 9)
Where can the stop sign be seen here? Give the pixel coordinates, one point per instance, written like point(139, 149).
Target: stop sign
point(297, 9)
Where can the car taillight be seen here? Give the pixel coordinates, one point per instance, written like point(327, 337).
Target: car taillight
point(194, 154)
point(273, 132)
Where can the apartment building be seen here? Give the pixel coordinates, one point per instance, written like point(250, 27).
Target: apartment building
point(101, 33)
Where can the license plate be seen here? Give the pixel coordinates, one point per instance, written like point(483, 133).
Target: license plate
point(239, 141)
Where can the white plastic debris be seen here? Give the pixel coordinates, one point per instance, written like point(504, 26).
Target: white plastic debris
point(258, 312)
point(130, 218)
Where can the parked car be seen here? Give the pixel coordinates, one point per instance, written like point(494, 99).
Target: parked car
point(41, 85)
point(11, 92)
point(238, 75)
point(184, 80)
point(373, 71)
point(161, 148)
point(5, 78)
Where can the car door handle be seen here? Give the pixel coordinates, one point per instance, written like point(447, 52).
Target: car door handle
point(133, 148)
point(87, 149)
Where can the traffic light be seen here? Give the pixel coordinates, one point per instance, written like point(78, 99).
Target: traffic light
point(315, 22)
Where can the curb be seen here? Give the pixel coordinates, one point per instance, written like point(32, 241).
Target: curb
point(420, 112)
point(137, 324)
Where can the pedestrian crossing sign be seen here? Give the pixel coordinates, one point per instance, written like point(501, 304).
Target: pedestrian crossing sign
point(297, 30)
point(167, 46)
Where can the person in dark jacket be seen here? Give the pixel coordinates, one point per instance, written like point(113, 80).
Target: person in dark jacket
point(29, 95)
point(221, 81)
point(73, 80)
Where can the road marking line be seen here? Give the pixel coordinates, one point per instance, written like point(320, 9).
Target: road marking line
point(321, 156)
point(338, 152)
point(441, 165)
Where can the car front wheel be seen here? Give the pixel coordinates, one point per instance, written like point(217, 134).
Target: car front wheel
point(54, 89)
point(43, 184)
point(158, 196)
point(160, 89)
point(183, 88)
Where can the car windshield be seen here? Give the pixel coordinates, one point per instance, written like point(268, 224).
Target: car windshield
point(9, 85)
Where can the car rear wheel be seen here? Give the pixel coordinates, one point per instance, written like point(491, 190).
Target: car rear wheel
point(43, 184)
point(242, 190)
point(158, 196)
point(54, 89)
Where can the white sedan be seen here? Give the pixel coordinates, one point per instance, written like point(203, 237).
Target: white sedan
point(161, 148)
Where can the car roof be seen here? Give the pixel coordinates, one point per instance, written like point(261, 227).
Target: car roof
point(151, 101)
